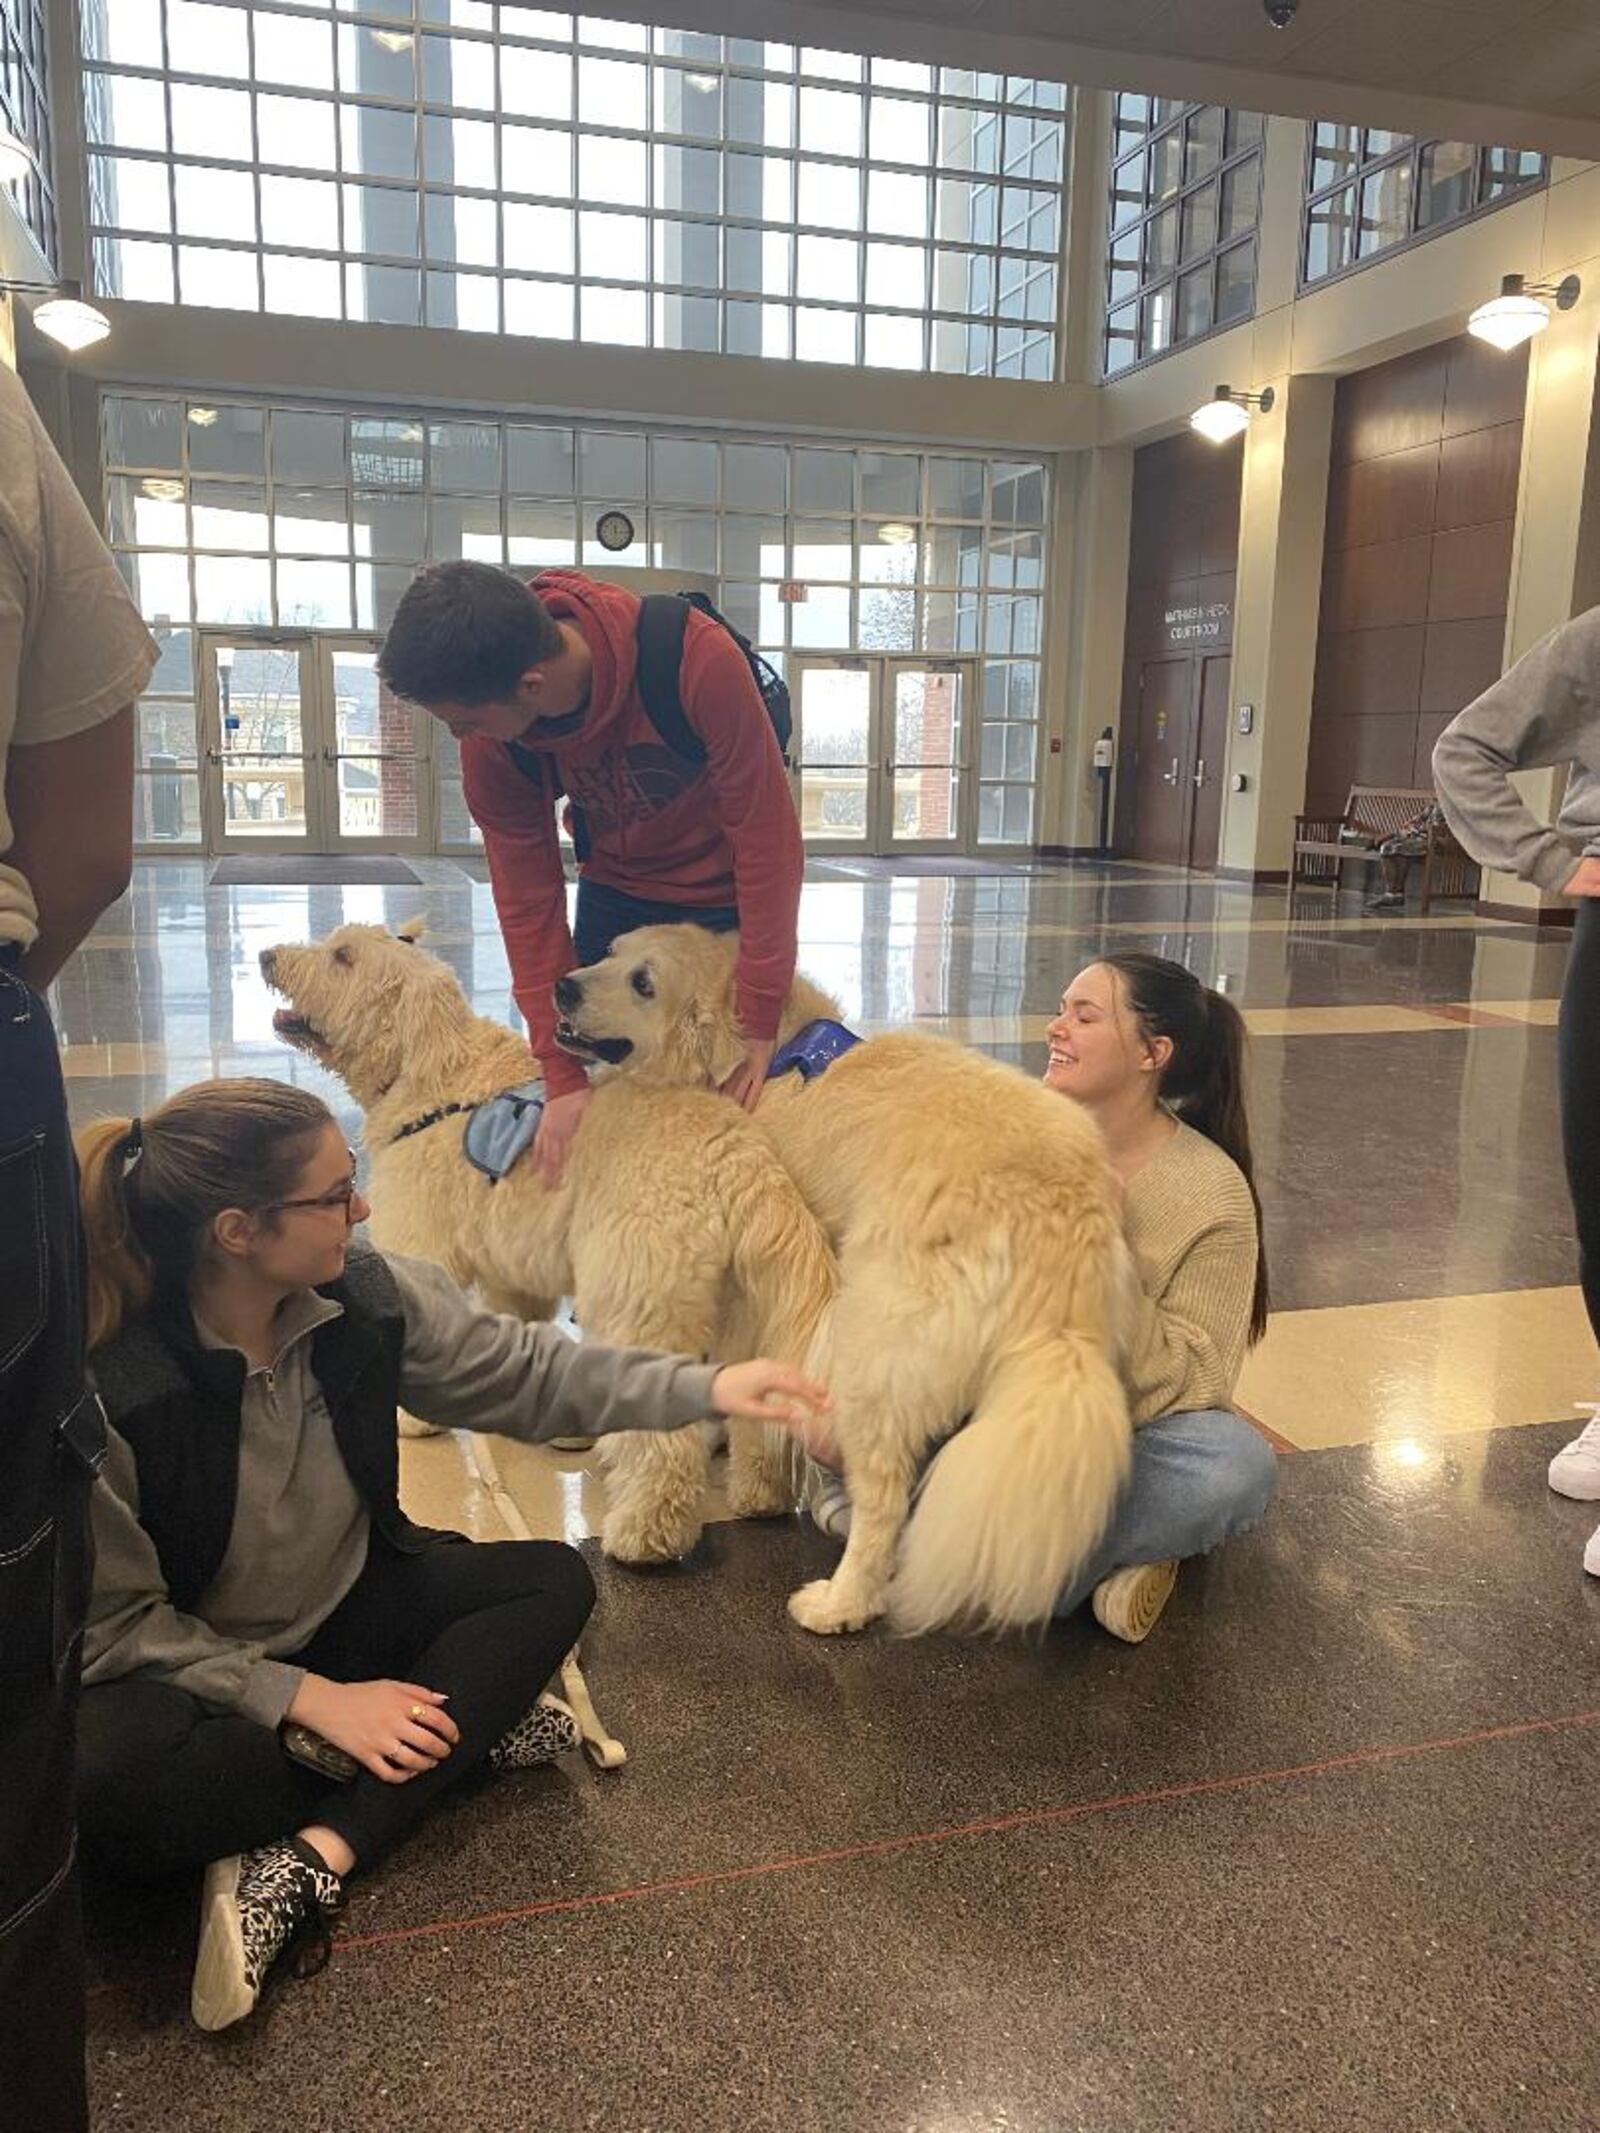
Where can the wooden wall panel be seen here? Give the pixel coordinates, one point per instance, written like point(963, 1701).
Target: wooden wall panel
point(1422, 500)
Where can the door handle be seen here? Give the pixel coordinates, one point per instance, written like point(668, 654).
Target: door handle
point(1200, 772)
point(1170, 777)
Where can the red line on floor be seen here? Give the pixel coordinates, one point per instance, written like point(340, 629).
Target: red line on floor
point(989, 1825)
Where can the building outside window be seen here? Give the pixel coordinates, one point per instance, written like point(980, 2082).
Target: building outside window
point(1185, 205)
point(506, 169)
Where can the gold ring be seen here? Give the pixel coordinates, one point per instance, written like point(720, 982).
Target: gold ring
point(416, 1710)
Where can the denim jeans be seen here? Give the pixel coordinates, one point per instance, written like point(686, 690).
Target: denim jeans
point(1197, 1479)
point(604, 912)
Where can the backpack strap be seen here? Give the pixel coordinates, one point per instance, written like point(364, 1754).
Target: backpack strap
point(663, 618)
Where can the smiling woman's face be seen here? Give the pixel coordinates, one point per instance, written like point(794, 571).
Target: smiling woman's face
point(1096, 1050)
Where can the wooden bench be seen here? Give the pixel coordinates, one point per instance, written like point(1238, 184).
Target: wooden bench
point(1371, 814)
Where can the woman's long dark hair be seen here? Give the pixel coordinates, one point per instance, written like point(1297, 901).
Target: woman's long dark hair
point(1203, 1081)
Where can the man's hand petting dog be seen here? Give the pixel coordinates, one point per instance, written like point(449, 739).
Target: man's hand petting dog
point(558, 1129)
point(395, 1729)
point(764, 1391)
point(747, 1081)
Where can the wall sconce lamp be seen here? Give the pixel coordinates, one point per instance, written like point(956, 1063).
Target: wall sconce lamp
point(1522, 309)
point(1228, 413)
point(64, 315)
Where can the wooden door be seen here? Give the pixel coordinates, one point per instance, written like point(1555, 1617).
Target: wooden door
point(1163, 748)
point(1205, 773)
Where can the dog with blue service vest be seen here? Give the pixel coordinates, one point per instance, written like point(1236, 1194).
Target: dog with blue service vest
point(674, 1224)
point(984, 1283)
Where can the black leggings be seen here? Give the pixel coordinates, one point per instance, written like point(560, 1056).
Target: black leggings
point(1579, 1053)
point(166, 1783)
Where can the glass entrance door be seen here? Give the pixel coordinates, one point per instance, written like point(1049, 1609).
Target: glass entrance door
point(927, 708)
point(258, 727)
point(882, 746)
point(836, 748)
point(374, 754)
point(305, 750)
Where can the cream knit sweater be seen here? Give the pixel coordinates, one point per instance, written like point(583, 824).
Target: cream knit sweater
point(1192, 1227)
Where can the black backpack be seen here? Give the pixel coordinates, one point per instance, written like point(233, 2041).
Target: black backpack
point(663, 618)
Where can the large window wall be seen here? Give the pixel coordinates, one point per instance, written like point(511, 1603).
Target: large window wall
point(315, 517)
point(1185, 205)
point(1369, 190)
point(25, 110)
point(508, 169)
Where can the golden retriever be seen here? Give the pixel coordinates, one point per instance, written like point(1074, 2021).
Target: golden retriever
point(674, 1225)
point(983, 1274)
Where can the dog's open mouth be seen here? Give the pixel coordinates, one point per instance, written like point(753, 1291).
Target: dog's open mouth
point(298, 1030)
point(611, 1051)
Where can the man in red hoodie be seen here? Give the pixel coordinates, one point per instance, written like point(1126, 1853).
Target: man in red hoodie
point(539, 685)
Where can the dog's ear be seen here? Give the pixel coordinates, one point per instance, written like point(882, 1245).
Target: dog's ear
point(412, 931)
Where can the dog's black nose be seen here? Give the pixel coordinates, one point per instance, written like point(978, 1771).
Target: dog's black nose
point(569, 994)
point(268, 957)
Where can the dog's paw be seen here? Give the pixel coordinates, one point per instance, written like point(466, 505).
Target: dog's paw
point(409, 1426)
point(628, 1537)
point(826, 1612)
point(760, 1495)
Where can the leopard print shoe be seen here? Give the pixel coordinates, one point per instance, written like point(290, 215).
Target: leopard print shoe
point(542, 1733)
point(254, 1908)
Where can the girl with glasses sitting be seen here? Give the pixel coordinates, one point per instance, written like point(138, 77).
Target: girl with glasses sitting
point(282, 1671)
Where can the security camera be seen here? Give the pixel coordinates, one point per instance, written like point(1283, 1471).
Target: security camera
point(1280, 13)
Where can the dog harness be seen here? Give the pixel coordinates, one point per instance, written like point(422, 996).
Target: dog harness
point(499, 1130)
point(812, 1050)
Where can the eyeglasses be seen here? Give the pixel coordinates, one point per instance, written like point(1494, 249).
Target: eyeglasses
point(339, 1198)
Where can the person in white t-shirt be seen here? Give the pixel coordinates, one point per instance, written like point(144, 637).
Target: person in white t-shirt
point(74, 656)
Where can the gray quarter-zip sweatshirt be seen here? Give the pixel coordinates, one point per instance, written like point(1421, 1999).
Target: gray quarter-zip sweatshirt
point(299, 1536)
point(1544, 712)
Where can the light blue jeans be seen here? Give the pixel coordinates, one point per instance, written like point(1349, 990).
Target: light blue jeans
point(1196, 1480)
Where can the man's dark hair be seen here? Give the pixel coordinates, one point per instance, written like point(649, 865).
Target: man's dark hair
point(465, 633)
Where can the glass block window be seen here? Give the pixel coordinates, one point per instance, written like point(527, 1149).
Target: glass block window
point(25, 111)
point(502, 169)
point(1368, 190)
point(1185, 203)
point(313, 517)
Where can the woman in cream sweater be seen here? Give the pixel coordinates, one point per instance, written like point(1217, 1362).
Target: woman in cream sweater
point(1158, 1061)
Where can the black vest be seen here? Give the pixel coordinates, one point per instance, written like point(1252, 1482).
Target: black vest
point(178, 1406)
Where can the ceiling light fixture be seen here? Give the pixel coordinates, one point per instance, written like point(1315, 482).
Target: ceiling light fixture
point(897, 534)
point(16, 158)
point(394, 40)
point(64, 316)
point(161, 489)
point(705, 83)
point(202, 417)
point(1522, 309)
point(1228, 413)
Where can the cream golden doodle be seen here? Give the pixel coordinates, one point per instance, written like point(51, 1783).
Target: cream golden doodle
point(674, 1225)
point(983, 1274)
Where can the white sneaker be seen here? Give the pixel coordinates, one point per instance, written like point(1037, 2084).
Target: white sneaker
point(1575, 1469)
point(1591, 1554)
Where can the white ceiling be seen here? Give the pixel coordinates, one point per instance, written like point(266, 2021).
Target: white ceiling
point(1519, 73)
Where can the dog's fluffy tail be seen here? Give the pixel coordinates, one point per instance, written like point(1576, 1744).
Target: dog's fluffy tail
point(1014, 1502)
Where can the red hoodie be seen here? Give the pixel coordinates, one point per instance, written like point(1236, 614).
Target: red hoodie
point(719, 832)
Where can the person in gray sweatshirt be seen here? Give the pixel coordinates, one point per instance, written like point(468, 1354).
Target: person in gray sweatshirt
point(282, 1671)
point(1543, 714)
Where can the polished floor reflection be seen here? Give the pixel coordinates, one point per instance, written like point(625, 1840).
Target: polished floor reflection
point(946, 1887)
